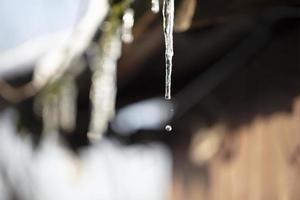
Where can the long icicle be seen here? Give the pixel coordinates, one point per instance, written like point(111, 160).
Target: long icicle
point(103, 65)
point(103, 90)
point(168, 23)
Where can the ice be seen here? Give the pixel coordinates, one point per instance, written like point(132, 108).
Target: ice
point(155, 6)
point(103, 90)
point(168, 23)
point(128, 22)
point(68, 106)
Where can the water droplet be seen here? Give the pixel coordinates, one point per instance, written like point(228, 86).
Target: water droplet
point(168, 128)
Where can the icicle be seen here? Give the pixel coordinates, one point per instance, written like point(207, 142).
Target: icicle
point(128, 22)
point(50, 113)
point(184, 15)
point(168, 23)
point(103, 90)
point(155, 6)
point(67, 105)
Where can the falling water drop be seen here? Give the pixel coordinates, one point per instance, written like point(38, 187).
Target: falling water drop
point(168, 128)
point(155, 6)
point(168, 23)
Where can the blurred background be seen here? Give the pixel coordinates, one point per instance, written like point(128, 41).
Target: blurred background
point(66, 79)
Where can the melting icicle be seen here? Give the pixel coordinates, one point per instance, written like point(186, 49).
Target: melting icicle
point(67, 105)
point(168, 23)
point(50, 113)
point(103, 90)
point(155, 6)
point(128, 22)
